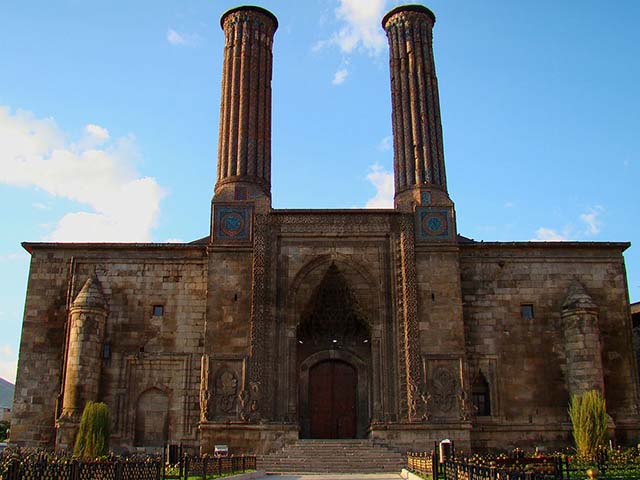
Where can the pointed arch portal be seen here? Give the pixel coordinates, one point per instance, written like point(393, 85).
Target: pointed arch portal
point(334, 354)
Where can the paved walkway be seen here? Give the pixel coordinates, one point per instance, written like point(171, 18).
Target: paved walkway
point(335, 476)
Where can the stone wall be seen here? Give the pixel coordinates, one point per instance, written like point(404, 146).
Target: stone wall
point(142, 351)
point(525, 358)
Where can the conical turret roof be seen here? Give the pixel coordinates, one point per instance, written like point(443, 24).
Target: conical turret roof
point(577, 298)
point(90, 295)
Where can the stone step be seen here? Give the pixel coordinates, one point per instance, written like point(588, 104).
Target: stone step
point(333, 456)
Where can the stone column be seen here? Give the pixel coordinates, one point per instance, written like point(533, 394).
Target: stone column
point(417, 131)
point(244, 145)
point(88, 316)
point(582, 342)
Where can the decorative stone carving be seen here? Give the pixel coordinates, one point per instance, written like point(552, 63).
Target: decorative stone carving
point(249, 403)
point(408, 308)
point(226, 392)
point(444, 390)
point(205, 393)
point(259, 356)
point(464, 407)
point(419, 407)
point(333, 312)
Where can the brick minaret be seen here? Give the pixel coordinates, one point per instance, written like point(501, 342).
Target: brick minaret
point(244, 146)
point(417, 131)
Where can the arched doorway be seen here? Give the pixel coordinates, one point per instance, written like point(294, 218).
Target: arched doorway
point(152, 419)
point(334, 361)
point(333, 400)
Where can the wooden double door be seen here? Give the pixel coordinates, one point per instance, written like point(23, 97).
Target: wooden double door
point(333, 387)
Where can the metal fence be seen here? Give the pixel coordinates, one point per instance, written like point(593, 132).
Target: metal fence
point(519, 467)
point(45, 469)
point(41, 465)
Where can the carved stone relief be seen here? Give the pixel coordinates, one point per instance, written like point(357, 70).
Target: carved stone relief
point(226, 392)
point(249, 403)
point(445, 389)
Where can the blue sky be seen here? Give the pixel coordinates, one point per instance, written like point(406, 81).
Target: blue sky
point(109, 118)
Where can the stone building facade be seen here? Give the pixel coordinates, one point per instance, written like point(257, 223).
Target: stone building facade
point(287, 324)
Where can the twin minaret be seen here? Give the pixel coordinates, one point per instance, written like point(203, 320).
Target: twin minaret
point(244, 145)
point(244, 148)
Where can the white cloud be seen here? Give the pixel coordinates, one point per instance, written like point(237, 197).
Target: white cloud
point(41, 206)
point(123, 205)
point(591, 218)
point(98, 132)
point(174, 240)
point(360, 28)
point(386, 143)
point(182, 39)
point(383, 182)
point(8, 363)
point(509, 205)
point(340, 76)
point(548, 235)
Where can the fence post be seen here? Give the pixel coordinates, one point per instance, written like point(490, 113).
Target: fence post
point(204, 468)
point(184, 468)
point(434, 465)
point(13, 472)
point(75, 470)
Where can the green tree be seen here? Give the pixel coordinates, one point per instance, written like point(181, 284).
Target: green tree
point(589, 421)
point(4, 428)
point(93, 435)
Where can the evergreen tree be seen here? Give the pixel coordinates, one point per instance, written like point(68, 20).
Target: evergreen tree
point(93, 435)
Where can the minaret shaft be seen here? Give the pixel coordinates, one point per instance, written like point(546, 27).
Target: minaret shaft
point(244, 145)
point(417, 130)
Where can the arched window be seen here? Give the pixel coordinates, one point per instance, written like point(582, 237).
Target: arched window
point(480, 396)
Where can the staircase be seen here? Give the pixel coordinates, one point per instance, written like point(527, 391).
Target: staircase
point(333, 456)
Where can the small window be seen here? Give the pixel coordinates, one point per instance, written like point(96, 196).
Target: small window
point(526, 311)
point(106, 351)
point(158, 310)
point(480, 396)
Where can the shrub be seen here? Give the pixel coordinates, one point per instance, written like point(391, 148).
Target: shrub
point(588, 413)
point(93, 435)
point(4, 429)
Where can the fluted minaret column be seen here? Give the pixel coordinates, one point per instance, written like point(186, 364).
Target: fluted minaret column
point(417, 130)
point(244, 146)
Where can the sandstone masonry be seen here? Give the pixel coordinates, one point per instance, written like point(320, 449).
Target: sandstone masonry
point(283, 325)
